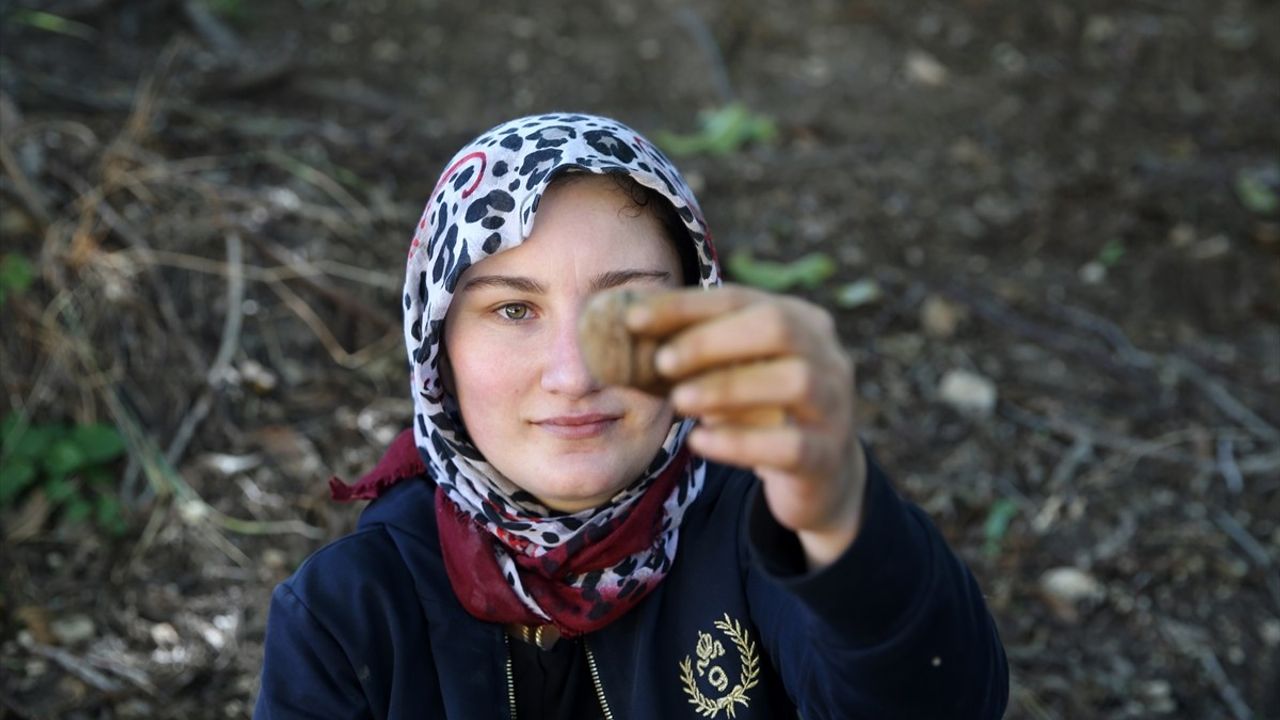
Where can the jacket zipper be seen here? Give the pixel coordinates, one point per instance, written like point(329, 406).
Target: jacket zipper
point(595, 679)
point(511, 683)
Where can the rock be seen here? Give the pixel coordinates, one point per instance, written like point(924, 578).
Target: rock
point(858, 293)
point(1066, 589)
point(924, 69)
point(72, 629)
point(968, 392)
point(939, 317)
point(164, 635)
point(1093, 273)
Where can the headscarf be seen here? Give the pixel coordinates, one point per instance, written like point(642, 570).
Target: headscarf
point(510, 558)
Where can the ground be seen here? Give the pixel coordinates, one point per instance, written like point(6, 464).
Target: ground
point(1073, 204)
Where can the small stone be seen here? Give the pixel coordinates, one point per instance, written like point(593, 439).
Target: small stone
point(1271, 632)
point(968, 392)
point(858, 293)
point(164, 635)
point(1066, 589)
point(924, 69)
point(72, 629)
point(1182, 234)
point(1093, 273)
point(939, 318)
point(274, 559)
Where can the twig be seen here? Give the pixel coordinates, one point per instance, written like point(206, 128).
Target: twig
point(220, 39)
point(164, 301)
point(159, 472)
point(31, 197)
point(216, 377)
point(1226, 402)
point(1187, 640)
point(1134, 361)
point(1081, 449)
point(92, 203)
point(258, 273)
point(76, 666)
point(1228, 467)
point(697, 27)
point(1254, 549)
point(320, 180)
point(306, 273)
point(309, 318)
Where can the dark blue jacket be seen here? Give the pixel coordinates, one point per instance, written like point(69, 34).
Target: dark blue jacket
point(368, 627)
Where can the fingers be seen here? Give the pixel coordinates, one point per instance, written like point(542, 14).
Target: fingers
point(755, 331)
point(788, 383)
point(667, 312)
point(785, 448)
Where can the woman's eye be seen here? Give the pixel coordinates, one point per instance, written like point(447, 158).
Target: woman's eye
point(514, 311)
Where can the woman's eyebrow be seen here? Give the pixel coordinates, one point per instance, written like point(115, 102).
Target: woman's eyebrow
point(603, 281)
point(614, 278)
point(510, 282)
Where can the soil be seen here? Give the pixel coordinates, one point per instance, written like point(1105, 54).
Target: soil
point(1072, 204)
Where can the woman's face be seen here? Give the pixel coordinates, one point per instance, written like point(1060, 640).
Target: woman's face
point(517, 371)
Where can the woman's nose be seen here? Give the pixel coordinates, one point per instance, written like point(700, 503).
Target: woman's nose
point(566, 371)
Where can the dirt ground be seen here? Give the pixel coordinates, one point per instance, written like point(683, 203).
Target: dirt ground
point(1071, 203)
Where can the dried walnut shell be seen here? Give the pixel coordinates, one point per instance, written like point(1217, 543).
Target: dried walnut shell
point(613, 355)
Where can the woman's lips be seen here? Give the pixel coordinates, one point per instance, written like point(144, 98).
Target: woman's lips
point(578, 427)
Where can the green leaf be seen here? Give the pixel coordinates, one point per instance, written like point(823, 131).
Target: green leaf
point(15, 276)
point(722, 131)
point(53, 23)
point(108, 515)
point(64, 457)
point(1111, 253)
point(98, 477)
point(1255, 192)
point(808, 271)
point(29, 442)
point(998, 517)
point(99, 442)
point(59, 490)
point(77, 510)
point(15, 476)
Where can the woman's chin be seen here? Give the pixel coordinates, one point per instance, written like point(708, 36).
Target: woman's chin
point(573, 489)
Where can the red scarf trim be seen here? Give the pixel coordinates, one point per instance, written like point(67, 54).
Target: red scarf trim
point(477, 578)
point(401, 460)
point(472, 565)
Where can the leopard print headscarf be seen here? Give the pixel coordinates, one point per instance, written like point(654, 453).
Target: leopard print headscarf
point(486, 202)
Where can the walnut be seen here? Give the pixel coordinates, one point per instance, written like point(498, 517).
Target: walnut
point(613, 355)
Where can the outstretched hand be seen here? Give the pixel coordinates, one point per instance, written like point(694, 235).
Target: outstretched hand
point(737, 355)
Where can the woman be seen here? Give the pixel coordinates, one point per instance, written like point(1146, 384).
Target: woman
point(545, 546)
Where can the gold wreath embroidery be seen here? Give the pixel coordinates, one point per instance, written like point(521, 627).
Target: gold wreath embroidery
point(708, 650)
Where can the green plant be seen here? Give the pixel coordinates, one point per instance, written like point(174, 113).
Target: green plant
point(69, 463)
point(1257, 189)
point(998, 517)
point(52, 23)
point(1111, 253)
point(807, 272)
point(233, 11)
point(15, 276)
point(721, 132)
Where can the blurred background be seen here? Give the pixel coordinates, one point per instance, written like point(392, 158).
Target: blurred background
point(1050, 233)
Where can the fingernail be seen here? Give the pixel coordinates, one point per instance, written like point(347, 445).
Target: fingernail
point(666, 360)
point(685, 395)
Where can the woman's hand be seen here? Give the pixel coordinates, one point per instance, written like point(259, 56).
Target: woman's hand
point(737, 354)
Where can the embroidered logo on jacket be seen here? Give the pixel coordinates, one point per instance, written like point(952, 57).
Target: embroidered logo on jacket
point(709, 670)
